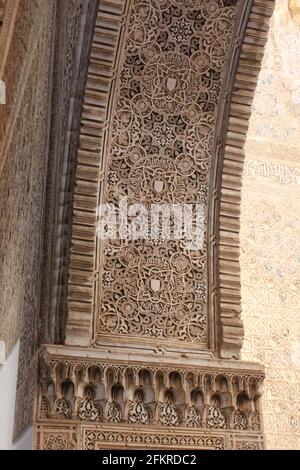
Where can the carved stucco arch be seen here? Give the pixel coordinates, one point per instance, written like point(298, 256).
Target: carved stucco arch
point(238, 88)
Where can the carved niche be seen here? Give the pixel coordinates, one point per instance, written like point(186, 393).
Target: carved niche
point(111, 398)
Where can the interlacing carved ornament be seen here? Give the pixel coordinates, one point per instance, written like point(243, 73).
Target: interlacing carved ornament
point(138, 413)
point(214, 417)
point(63, 409)
point(58, 441)
point(245, 445)
point(270, 272)
point(160, 151)
point(168, 414)
point(87, 411)
point(113, 413)
point(93, 439)
point(116, 393)
point(240, 420)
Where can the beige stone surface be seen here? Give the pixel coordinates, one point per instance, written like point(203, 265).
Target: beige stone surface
point(270, 233)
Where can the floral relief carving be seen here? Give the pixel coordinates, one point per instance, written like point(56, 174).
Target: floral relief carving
point(245, 445)
point(193, 418)
point(165, 397)
point(88, 411)
point(169, 415)
point(63, 409)
point(45, 408)
point(240, 421)
point(157, 299)
point(138, 413)
point(95, 440)
point(160, 149)
point(254, 420)
point(55, 441)
point(113, 412)
point(170, 83)
point(214, 417)
point(270, 297)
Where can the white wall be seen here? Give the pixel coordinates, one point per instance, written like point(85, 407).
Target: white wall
point(8, 385)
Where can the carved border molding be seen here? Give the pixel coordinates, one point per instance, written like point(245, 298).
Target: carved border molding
point(232, 128)
point(74, 32)
point(101, 437)
point(166, 404)
point(225, 190)
point(104, 59)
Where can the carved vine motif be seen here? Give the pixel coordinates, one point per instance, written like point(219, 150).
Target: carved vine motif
point(240, 420)
point(193, 417)
point(152, 395)
point(214, 417)
point(161, 144)
point(113, 413)
point(87, 411)
point(94, 439)
point(138, 413)
point(254, 420)
point(57, 442)
point(245, 445)
point(63, 409)
point(169, 415)
point(45, 408)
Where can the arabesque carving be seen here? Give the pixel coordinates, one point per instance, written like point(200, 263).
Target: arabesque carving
point(107, 391)
point(152, 317)
point(100, 394)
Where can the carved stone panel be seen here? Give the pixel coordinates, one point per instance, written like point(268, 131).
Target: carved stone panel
point(156, 148)
point(112, 399)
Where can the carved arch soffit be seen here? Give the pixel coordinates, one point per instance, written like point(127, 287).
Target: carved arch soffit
point(224, 334)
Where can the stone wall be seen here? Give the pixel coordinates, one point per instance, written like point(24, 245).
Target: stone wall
point(270, 235)
point(43, 73)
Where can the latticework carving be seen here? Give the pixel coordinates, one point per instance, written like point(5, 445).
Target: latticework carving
point(138, 413)
point(245, 445)
point(97, 439)
point(56, 439)
point(270, 294)
point(159, 123)
point(26, 69)
point(170, 134)
point(113, 413)
point(215, 417)
point(63, 409)
point(193, 417)
point(169, 414)
point(88, 411)
point(240, 420)
point(161, 141)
